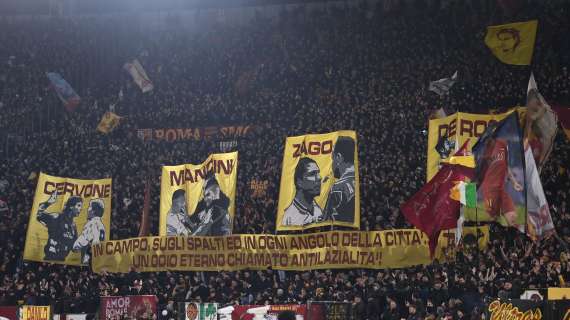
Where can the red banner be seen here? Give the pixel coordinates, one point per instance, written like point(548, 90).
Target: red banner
point(134, 307)
point(431, 209)
point(9, 313)
point(196, 134)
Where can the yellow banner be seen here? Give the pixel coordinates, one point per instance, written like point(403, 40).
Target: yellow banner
point(447, 135)
point(68, 216)
point(108, 122)
point(199, 199)
point(319, 182)
point(35, 313)
point(334, 249)
point(512, 43)
point(558, 293)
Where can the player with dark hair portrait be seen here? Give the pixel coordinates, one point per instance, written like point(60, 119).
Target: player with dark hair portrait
point(340, 202)
point(62, 231)
point(212, 217)
point(304, 209)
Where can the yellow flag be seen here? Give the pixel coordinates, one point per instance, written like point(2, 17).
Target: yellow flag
point(466, 161)
point(512, 43)
point(108, 122)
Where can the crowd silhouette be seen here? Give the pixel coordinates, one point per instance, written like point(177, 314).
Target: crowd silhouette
point(360, 68)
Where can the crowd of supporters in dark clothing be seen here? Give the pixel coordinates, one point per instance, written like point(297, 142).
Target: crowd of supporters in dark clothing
point(361, 68)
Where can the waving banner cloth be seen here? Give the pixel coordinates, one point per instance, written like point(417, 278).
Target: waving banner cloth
point(512, 43)
point(541, 124)
point(398, 248)
point(432, 208)
point(136, 70)
point(447, 135)
point(442, 86)
point(199, 199)
point(500, 168)
point(68, 216)
point(539, 220)
point(108, 122)
point(64, 91)
point(319, 182)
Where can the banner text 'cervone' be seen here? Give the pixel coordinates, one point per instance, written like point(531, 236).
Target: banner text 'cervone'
point(84, 191)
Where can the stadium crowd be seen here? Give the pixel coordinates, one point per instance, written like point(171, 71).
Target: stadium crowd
point(360, 68)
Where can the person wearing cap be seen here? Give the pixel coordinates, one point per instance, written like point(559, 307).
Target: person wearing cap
point(93, 231)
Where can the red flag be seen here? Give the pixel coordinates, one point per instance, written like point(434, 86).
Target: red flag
point(431, 209)
point(143, 231)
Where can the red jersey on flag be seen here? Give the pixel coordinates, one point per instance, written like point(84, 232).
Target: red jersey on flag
point(496, 165)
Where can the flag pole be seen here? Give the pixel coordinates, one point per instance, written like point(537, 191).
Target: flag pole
point(477, 240)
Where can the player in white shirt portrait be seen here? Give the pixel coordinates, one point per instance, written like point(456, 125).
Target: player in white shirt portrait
point(93, 231)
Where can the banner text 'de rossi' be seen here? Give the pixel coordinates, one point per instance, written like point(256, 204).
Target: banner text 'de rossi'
point(335, 249)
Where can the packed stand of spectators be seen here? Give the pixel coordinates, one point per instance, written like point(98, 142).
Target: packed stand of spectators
point(361, 68)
